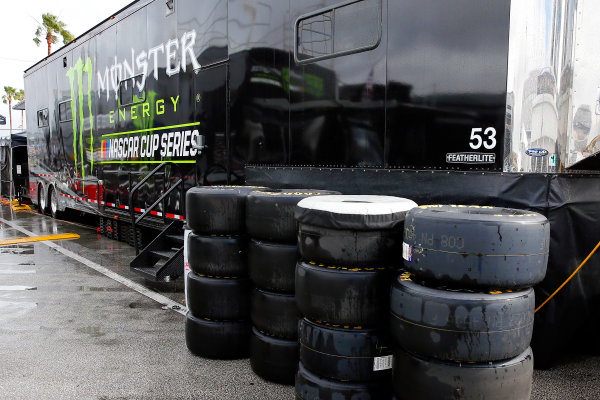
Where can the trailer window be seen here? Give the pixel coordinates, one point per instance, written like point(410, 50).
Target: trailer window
point(64, 111)
point(346, 28)
point(129, 90)
point(42, 116)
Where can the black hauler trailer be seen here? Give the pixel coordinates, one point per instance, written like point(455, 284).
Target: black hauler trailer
point(487, 102)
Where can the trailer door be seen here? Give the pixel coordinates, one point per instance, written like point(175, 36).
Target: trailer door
point(211, 109)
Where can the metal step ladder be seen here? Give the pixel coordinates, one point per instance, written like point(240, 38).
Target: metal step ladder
point(162, 259)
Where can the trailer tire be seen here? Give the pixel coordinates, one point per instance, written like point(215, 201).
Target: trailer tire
point(217, 209)
point(41, 200)
point(270, 213)
point(460, 326)
point(217, 339)
point(273, 359)
point(473, 246)
point(217, 255)
point(342, 354)
point(350, 248)
point(275, 313)
point(339, 295)
point(309, 386)
point(53, 203)
point(429, 379)
point(272, 266)
point(218, 298)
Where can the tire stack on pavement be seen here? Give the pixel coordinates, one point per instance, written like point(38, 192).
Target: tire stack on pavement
point(217, 286)
point(462, 316)
point(272, 257)
point(348, 246)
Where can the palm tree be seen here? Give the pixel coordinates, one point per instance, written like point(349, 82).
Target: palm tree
point(48, 29)
point(20, 95)
point(8, 98)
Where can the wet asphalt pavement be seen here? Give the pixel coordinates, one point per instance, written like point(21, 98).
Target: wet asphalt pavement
point(68, 331)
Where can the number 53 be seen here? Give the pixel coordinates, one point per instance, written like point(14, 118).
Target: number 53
point(477, 138)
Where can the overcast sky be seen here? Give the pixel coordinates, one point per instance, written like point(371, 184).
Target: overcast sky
point(20, 19)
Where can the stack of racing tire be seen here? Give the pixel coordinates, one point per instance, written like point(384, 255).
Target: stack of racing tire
point(462, 316)
point(217, 286)
point(349, 257)
point(272, 257)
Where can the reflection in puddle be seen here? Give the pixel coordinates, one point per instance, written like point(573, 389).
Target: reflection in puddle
point(101, 289)
point(93, 331)
point(16, 288)
point(24, 249)
point(13, 309)
point(16, 271)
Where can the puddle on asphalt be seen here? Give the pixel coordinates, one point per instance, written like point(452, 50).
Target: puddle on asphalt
point(102, 289)
point(16, 271)
point(26, 249)
point(14, 309)
point(16, 288)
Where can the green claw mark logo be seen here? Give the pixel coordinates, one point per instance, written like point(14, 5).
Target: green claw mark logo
point(77, 107)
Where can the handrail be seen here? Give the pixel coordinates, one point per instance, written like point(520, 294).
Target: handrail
point(135, 221)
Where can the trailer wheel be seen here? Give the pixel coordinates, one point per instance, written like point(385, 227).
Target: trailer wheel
point(270, 214)
point(343, 295)
point(217, 255)
point(41, 200)
point(217, 209)
point(218, 298)
point(310, 386)
point(54, 211)
point(217, 339)
point(273, 359)
point(272, 266)
point(275, 313)
point(343, 354)
point(458, 325)
point(472, 246)
point(429, 379)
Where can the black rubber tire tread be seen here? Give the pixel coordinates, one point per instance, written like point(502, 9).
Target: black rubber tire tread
point(217, 339)
point(430, 379)
point(275, 313)
point(218, 298)
point(272, 266)
point(217, 255)
point(270, 213)
point(354, 212)
point(460, 326)
point(346, 296)
point(217, 209)
point(342, 354)
point(309, 386)
point(273, 359)
point(352, 248)
point(473, 246)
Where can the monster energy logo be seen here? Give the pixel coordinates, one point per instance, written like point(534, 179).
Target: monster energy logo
point(77, 107)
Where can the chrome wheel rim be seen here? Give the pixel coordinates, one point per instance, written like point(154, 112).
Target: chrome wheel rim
point(53, 202)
